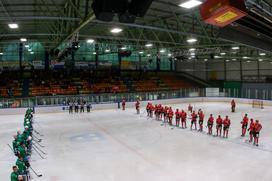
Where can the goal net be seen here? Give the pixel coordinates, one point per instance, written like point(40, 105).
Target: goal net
point(257, 104)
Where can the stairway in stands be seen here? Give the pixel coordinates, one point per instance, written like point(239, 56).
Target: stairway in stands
point(162, 86)
point(25, 91)
point(129, 85)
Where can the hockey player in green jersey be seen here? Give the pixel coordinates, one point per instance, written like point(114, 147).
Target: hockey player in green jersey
point(14, 175)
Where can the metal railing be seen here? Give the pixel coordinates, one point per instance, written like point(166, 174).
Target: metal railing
point(265, 94)
point(98, 98)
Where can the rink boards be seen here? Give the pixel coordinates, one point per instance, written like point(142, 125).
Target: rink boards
point(57, 109)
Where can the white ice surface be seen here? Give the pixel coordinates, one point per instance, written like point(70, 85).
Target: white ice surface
point(116, 145)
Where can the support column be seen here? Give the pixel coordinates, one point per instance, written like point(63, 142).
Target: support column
point(20, 56)
point(258, 69)
point(241, 70)
point(46, 60)
point(171, 63)
point(119, 62)
point(96, 55)
point(158, 61)
point(225, 70)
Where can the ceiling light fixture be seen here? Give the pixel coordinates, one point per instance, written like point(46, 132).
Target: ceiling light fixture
point(162, 50)
point(235, 48)
point(23, 39)
point(13, 25)
point(116, 30)
point(90, 40)
point(191, 40)
point(190, 4)
point(149, 45)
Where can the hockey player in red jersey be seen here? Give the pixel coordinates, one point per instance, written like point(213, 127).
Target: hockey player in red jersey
point(156, 108)
point(244, 123)
point(177, 114)
point(250, 129)
point(160, 112)
point(123, 103)
point(183, 115)
point(233, 105)
point(147, 108)
point(190, 108)
point(193, 121)
point(219, 123)
point(170, 115)
point(165, 114)
point(201, 120)
point(210, 124)
point(226, 124)
point(151, 110)
point(256, 132)
point(137, 106)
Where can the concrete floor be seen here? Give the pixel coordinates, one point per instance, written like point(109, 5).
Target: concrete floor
point(115, 145)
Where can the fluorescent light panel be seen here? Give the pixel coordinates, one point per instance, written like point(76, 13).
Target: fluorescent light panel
point(191, 40)
point(149, 45)
point(190, 4)
point(23, 39)
point(13, 25)
point(235, 48)
point(90, 40)
point(162, 51)
point(116, 30)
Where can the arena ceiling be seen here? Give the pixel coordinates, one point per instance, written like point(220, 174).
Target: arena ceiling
point(166, 25)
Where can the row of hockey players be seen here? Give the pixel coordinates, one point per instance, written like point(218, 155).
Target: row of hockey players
point(79, 107)
point(166, 114)
point(21, 146)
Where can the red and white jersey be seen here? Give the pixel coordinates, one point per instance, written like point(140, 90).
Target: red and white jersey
point(226, 122)
point(219, 121)
point(257, 127)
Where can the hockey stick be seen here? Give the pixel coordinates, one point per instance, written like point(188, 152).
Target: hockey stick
point(38, 175)
point(39, 139)
point(39, 149)
point(39, 144)
point(38, 153)
point(10, 148)
point(38, 133)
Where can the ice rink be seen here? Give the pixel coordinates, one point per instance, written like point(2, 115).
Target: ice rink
point(116, 145)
